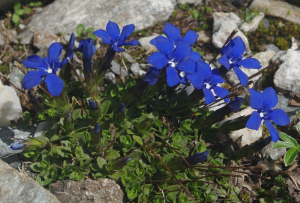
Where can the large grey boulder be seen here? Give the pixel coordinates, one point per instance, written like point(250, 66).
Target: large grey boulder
point(65, 15)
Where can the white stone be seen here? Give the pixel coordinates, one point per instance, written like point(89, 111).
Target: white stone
point(145, 42)
point(10, 107)
point(287, 77)
point(280, 56)
point(66, 15)
point(142, 73)
point(22, 26)
point(253, 24)
point(128, 57)
point(188, 1)
point(269, 166)
point(110, 77)
point(135, 68)
point(223, 26)
point(248, 136)
point(205, 36)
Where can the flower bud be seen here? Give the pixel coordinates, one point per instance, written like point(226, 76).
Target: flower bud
point(93, 105)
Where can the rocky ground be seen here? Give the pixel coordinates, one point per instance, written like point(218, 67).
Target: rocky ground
point(270, 30)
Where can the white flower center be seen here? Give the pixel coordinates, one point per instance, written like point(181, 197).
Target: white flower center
point(207, 85)
point(49, 70)
point(261, 114)
point(172, 64)
point(182, 74)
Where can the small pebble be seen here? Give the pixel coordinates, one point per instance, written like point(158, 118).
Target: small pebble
point(22, 26)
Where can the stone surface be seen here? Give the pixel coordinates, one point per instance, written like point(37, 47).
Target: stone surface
point(253, 24)
point(272, 154)
point(224, 24)
point(145, 42)
point(280, 56)
point(286, 77)
point(12, 37)
point(188, 1)
point(128, 57)
point(269, 166)
point(205, 36)
point(65, 15)
point(248, 136)
point(283, 103)
point(277, 9)
point(25, 37)
point(266, 23)
point(267, 47)
point(44, 40)
point(88, 191)
point(15, 77)
point(135, 68)
point(115, 68)
point(42, 127)
point(264, 57)
point(18, 187)
point(10, 107)
point(110, 77)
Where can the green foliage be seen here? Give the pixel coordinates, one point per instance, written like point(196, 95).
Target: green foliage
point(85, 33)
point(19, 12)
point(291, 143)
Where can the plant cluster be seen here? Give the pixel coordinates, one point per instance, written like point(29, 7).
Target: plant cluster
point(148, 135)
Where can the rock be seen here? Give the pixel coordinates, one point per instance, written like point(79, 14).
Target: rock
point(10, 107)
point(25, 37)
point(110, 77)
point(253, 24)
point(15, 77)
point(224, 24)
point(145, 42)
point(188, 1)
point(264, 57)
point(42, 127)
point(267, 47)
point(128, 57)
point(145, 66)
point(294, 43)
point(286, 77)
point(142, 73)
point(272, 154)
point(44, 40)
point(18, 187)
point(67, 38)
point(115, 67)
point(277, 9)
point(88, 191)
point(266, 23)
point(22, 26)
point(283, 103)
point(280, 56)
point(248, 136)
point(2, 40)
point(269, 166)
point(65, 15)
point(13, 36)
point(135, 68)
point(205, 36)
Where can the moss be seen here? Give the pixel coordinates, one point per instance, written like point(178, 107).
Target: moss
point(282, 43)
point(245, 197)
point(4, 69)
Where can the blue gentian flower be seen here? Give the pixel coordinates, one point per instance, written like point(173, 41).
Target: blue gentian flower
point(197, 158)
point(93, 105)
point(210, 87)
point(112, 36)
point(232, 57)
point(121, 108)
point(263, 103)
point(70, 46)
point(16, 145)
point(97, 128)
point(47, 68)
point(88, 49)
point(151, 76)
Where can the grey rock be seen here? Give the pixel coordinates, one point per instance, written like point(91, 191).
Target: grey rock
point(145, 42)
point(25, 37)
point(269, 166)
point(253, 24)
point(188, 1)
point(264, 57)
point(205, 36)
point(22, 26)
point(12, 37)
point(115, 67)
point(286, 77)
point(44, 40)
point(15, 77)
point(135, 68)
point(280, 56)
point(267, 47)
point(2, 40)
point(18, 187)
point(128, 57)
point(272, 154)
point(277, 9)
point(88, 191)
point(142, 73)
point(266, 23)
point(42, 127)
point(65, 15)
point(145, 66)
point(224, 24)
point(110, 77)
point(283, 103)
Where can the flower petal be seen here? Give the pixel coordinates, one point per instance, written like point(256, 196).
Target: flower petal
point(158, 60)
point(249, 63)
point(54, 51)
point(239, 47)
point(204, 69)
point(254, 121)
point(190, 37)
point(270, 98)
point(183, 50)
point(172, 76)
point(54, 84)
point(113, 30)
point(172, 32)
point(195, 56)
point(32, 79)
point(104, 36)
point(273, 132)
point(220, 91)
point(126, 31)
point(223, 60)
point(196, 79)
point(241, 75)
point(256, 99)
point(227, 49)
point(209, 96)
point(163, 44)
point(216, 77)
point(34, 62)
point(188, 67)
point(133, 42)
point(151, 76)
point(117, 49)
point(280, 117)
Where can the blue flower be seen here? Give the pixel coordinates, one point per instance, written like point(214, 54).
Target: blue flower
point(70, 46)
point(16, 145)
point(47, 68)
point(93, 105)
point(263, 103)
point(151, 76)
point(210, 87)
point(121, 108)
point(97, 128)
point(232, 57)
point(197, 158)
point(88, 49)
point(112, 36)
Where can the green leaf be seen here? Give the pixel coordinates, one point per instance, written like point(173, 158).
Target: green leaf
point(79, 29)
point(112, 154)
point(195, 13)
point(147, 188)
point(281, 144)
point(104, 107)
point(36, 167)
point(290, 156)
point(89, 30)
point(15, 18)
point(17, 6)
point(77, 114)
point(19, 12)
point(27, 10)
point(138, 139)
point(46, 182)
point(101, 162)
point(118, 174)
point(288, 139)
point(92, 35)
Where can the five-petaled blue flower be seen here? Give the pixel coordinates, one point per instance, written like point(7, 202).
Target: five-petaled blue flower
point(16, 145)
point(263, 103)
point(112, 36)
point(151, 76)
point(88, 49)
point(232, 57)
point(47, 68)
